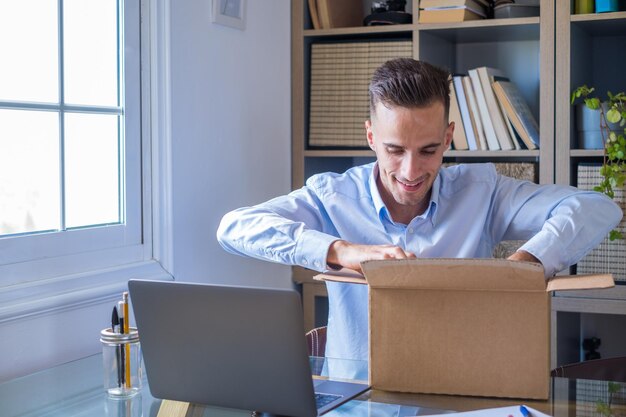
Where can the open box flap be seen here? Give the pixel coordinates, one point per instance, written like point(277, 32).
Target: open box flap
point(580, 282)
point(341, 275)
point(455, 274)
point(464, 274)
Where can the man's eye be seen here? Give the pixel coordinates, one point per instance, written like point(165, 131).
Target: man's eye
point(429, 152)
point(394, 151)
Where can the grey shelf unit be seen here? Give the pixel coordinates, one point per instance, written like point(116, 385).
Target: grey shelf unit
point(589, 50)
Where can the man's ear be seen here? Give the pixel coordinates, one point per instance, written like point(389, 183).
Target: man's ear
point(369, 133)
point(448, 135)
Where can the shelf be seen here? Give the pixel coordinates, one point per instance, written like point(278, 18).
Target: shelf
point(581, 153)
point(492, 154)
point(616, 293)
point(488, 30)
point(363, 30)
point(356, 153)
point(602, 24)
point(603, 301)
point(343, 153)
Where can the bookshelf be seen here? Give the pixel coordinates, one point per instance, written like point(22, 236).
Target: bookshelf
point(545, 57)
point(588, 51)
point(521, 47)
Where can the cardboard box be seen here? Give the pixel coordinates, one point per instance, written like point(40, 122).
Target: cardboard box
point(461, 326)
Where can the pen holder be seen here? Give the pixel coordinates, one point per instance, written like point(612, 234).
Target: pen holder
point(121, 357)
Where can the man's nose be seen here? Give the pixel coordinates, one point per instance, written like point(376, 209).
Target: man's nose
point(411, 167)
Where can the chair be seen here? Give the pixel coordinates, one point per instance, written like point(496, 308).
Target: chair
point(316, 341)
point(610, 369)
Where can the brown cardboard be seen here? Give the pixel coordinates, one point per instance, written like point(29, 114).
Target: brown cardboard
point(461, 326)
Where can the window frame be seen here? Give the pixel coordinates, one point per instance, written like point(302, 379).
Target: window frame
point(42, 272)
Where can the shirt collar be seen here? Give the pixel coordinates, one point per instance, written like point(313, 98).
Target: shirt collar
point(382, 210)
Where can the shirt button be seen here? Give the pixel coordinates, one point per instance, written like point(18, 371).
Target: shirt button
point(316, 263)
point(410, 230)
point(304, 261)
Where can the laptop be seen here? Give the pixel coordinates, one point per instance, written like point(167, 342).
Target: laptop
point(230, 346)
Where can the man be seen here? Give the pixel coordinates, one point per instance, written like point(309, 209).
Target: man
point(405, 206)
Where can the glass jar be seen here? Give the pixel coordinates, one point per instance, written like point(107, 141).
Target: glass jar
point(121, 358)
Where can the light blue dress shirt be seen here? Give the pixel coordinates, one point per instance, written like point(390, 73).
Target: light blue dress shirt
point(472, 208)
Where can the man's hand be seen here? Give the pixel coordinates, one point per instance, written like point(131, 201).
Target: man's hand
point(342, 254)
point(522, 255)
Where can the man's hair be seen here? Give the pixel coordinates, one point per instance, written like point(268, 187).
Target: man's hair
point(406, 82)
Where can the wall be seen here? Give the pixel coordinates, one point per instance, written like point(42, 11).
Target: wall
point(230, 124)
point(230, 132)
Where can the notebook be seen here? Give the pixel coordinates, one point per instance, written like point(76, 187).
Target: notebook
point(230, 346)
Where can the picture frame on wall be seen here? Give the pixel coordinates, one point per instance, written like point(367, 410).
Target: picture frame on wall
point(230, 13)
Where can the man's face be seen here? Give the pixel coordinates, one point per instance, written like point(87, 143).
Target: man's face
point(409, 144)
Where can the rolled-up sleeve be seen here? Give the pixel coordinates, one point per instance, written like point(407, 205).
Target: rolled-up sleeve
point(291, 230)
point(571, 222)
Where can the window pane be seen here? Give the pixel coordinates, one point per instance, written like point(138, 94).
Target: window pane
point(28, 47)
point(90, 52)
point(29, 171)
point(92, 178)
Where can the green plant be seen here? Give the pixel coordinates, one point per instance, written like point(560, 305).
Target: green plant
point(613, 170)
point(605, 408)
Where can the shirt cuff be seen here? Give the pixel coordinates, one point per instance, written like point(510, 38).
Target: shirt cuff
point(312, 249)
point(549, 250)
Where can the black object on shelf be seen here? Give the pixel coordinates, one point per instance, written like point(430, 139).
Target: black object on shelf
point(590, 346)
point(388, 12)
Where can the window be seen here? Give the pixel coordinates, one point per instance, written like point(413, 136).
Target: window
point(70, 137)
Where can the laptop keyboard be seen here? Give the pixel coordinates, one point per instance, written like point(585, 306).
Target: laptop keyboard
point(324, 399)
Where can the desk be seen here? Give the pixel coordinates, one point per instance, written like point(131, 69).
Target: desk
point(75, 389)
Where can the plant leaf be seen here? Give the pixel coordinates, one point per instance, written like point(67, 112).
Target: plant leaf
point(613, 116)
point(615, 235)
point(592, 103)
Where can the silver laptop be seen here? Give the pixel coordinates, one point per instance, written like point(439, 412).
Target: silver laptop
point(227, 346)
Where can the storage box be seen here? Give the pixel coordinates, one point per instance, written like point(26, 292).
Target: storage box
point(461, 326)
point(506, 11)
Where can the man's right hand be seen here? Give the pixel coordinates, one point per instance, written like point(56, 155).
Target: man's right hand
point(342, 254)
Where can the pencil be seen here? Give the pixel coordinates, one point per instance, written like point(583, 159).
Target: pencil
point(126, 331)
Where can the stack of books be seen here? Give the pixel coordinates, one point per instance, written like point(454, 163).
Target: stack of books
point(490, 113)
point(449, 11)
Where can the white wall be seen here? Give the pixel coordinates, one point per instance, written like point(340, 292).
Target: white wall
point(230, 147)
point(230, 132)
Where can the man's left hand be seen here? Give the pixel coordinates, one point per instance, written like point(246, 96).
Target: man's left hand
point(522, 255)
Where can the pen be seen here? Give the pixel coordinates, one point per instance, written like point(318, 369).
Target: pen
point(120, 313)
point(115, 322)
point(524, 411)
point(126, 331)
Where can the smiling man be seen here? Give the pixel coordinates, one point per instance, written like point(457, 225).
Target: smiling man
point(405, 206)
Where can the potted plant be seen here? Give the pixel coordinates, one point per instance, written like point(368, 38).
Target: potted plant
point(612, 120)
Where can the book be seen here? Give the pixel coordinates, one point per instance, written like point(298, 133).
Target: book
point(459, 138)
point(449, 15)
point(483, 110)
point(440, 4)
point(518, 112)
point(314, 16)
point(339, 14)
point(487, 75)
point(514, 136)
point(475, 116)
point(457, 86)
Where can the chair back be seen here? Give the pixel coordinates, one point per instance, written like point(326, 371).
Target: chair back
point(316, 341)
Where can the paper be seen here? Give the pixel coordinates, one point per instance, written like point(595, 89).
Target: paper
point(513, 411)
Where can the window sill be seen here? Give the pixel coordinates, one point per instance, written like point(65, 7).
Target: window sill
point(30, 299)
